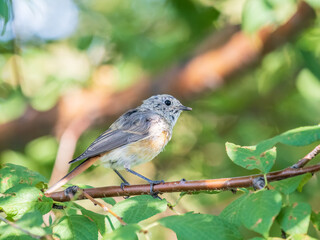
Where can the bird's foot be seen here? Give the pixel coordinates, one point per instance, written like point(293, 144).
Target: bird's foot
point(153, 193)
point(122, 185)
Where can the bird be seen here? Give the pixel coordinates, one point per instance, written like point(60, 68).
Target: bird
point(136, 137)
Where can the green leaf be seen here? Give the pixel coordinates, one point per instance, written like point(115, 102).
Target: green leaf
point(99, 219)
point(24, 198)
point(262, 155)
point(5, 13)
point(251, 158)
point(200, 226)
point(109, 200)
point(31, 222)
point(256, 14)
point(300, 136)
point(76, 227)
point(308, 85)
point(68, 208)
point(314, 3)
point(128, 232)
point(315, 219)
point(136, 209)
point(260, 209)
point(12, 175)
point(305, 179)
point(232, 212)
point(302, 237)
point(295, 219)
point(289, 185)
point(43, 149)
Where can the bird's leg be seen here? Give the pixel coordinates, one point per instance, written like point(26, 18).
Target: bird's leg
point(124, 181)
point(152, 183)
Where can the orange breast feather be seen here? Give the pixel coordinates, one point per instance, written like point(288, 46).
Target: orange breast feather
point(147, 149)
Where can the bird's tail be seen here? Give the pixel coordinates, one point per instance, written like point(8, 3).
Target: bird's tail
point(76, 171)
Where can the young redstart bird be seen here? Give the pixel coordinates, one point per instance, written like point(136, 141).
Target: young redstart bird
point(136, 137)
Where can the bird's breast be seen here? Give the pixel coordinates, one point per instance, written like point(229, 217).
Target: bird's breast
point(138, 152)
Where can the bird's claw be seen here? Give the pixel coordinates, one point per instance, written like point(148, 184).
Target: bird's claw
point(122, 185)
point(157, 182)
point(152, 193)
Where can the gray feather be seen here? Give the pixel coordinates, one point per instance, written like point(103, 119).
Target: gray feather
point(130, 127)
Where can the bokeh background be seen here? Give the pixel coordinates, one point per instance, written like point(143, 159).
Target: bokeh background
point(69, 68)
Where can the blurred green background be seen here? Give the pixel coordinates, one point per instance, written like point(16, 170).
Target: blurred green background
point(55, 48)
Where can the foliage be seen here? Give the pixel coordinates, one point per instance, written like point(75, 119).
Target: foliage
point(112, 47)
point(256, 211)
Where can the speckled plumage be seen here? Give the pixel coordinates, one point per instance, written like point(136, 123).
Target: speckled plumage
point(138, 135)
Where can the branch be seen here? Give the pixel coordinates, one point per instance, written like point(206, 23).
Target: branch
point(104, 207)
point(186, 186)
point(302, 162)
point(192, 186)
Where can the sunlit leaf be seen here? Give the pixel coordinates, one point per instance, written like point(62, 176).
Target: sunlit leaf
point(76, 227)
point(128, 232)
point(257, 14)
point(309, 85)
point(262, 156)
point(302, 237)
point(200, 226)
point(43, 149)
point(31, 222)
point(260, 209)
point(251, 158)
point(24, 198)
point(136, 209)
point(294, 219)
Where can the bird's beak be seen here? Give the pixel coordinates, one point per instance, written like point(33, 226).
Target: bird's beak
point(184, 108)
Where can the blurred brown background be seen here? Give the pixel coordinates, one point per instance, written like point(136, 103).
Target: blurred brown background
point(249, 69)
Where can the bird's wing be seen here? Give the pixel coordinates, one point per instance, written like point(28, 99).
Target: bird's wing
point(130, 127)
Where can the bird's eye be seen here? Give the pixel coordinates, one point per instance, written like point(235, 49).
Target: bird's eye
point(167, 102)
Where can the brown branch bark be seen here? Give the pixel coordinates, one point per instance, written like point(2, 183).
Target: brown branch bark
point(186, 186)
point(199, 185)
point(205, 71)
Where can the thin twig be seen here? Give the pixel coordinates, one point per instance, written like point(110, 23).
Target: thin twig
point(67, 147)
point(302, 162)
point(105, 208)
point(12, 224)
